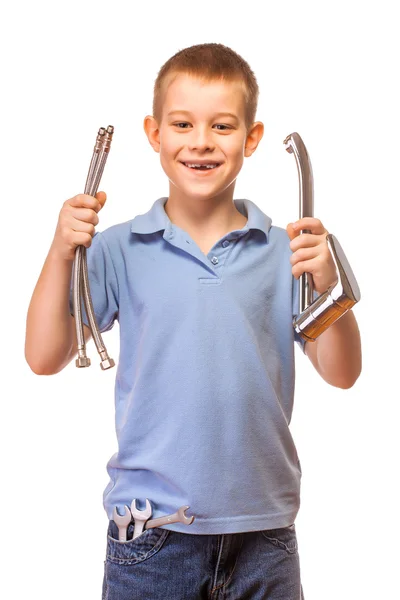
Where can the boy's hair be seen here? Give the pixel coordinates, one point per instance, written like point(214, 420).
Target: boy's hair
point(209, 62)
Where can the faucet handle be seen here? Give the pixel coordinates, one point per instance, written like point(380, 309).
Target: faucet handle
point(332, 304)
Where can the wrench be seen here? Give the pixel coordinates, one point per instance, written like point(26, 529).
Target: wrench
point(122, 522)
point(178, 517)
point(140, 516)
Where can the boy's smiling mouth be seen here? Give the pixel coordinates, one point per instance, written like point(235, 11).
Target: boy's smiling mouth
point(201, 166)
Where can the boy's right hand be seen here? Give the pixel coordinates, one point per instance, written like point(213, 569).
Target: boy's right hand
point(76, 224)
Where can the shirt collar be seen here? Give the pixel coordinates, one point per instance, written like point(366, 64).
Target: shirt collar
point(156, 218)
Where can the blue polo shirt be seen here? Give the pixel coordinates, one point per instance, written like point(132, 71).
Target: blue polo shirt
point(205, 378)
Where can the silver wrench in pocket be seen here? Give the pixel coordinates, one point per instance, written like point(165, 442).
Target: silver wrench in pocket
point(178, 517)
point(122, 522)
point(140, 517)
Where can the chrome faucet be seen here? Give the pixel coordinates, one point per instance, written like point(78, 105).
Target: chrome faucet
point(316, 316)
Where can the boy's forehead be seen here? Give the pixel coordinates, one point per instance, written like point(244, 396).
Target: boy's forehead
point(187, 92)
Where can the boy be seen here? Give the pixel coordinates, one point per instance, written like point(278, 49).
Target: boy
point(204, 289)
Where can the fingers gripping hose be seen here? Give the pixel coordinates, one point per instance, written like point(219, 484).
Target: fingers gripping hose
point(80, 271)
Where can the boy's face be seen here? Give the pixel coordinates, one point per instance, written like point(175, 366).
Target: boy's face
point(202, 135)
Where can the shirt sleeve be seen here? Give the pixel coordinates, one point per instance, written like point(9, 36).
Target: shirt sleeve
point(103, 285)
point(296, 295)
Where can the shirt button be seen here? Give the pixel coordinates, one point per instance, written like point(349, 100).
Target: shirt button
point(214, 260)
point(225, 243)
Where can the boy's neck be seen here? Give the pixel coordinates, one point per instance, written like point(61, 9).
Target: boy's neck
point(213, 216)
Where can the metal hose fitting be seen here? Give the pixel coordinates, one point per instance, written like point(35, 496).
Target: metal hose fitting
point(80, 271)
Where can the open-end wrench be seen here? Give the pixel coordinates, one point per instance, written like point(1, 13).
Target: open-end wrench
point(140, 516)
point(178, 517)
point(122, 522)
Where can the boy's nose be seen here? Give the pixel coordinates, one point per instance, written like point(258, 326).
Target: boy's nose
point(201, 140)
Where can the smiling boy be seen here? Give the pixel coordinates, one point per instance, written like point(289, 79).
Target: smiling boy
point(204, 288)
point(212, 132)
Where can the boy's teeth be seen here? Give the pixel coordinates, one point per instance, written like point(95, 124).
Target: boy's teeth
point(195, 165)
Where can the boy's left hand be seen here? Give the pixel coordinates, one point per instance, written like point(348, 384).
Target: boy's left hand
point(311, 253)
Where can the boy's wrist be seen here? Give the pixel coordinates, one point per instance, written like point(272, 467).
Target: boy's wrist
point(55, 253)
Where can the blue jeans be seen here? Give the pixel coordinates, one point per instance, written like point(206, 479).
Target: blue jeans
point(168, 565)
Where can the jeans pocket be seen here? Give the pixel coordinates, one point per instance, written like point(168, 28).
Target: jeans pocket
point(134, 550)
point(282, 537)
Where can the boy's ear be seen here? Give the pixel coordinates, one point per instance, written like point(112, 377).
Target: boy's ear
point(253, 138)
point(150, 126)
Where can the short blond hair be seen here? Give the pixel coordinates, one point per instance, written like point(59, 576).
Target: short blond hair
point(209, 62)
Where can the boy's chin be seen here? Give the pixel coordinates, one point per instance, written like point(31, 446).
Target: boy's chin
point(188, 192)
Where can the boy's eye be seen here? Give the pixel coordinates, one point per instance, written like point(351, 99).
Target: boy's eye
point(217, 125)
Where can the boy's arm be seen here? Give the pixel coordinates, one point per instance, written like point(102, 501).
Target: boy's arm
point(50, 340)
point(336, 353)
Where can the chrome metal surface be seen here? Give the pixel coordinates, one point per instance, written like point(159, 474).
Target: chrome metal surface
point(80, 271)
point(315, 317)
point(294, 145)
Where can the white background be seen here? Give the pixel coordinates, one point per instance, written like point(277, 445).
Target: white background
point(327, 71)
